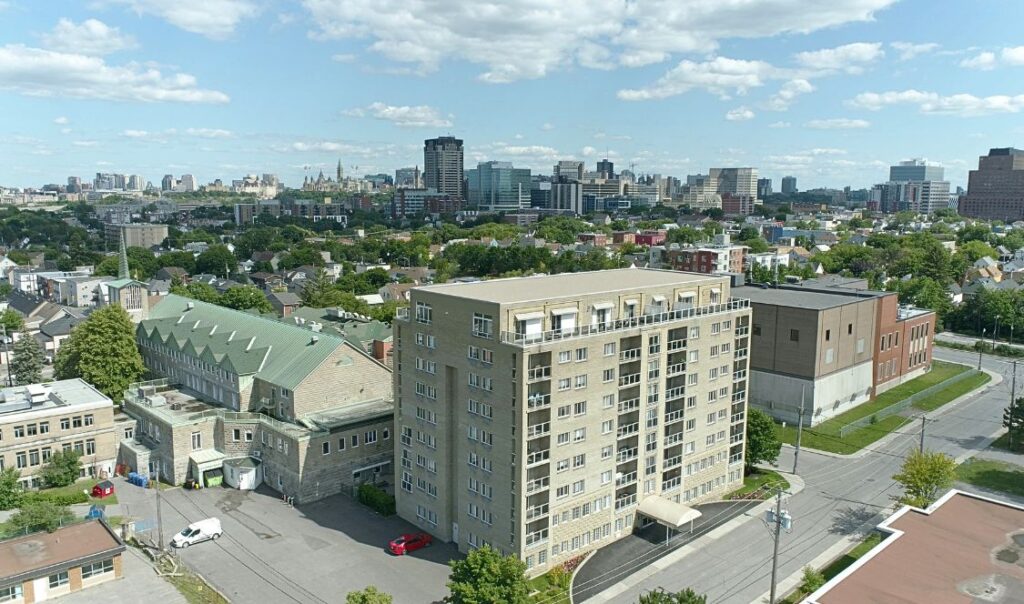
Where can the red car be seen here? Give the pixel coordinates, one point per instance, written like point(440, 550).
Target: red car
point(409, 543)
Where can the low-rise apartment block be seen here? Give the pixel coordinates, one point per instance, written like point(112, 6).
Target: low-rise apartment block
point(38, 420)
point(547, 416)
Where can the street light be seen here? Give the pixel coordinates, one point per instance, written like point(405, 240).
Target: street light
point(995, 333)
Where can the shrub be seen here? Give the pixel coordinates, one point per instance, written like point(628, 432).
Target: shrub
point(812, 581)
point(61, 499)
point(376, 499)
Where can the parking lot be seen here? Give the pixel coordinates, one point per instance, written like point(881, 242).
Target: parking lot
point(272, 552)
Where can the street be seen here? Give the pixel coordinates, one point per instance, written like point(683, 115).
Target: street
point(840, 496)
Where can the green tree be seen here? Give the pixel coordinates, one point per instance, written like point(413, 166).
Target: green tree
point(63, 469)
point(27, 361)
point(1013, 421)
point(40, 515)
point(102, 351)
point(197, 291)
point(924, 476)
point(10, 489)
point(370, 595)
point(216, 260)
point(660, 596)
point(485, 577)
point(246, 297)
point(316, 291)
point(812, 581)
point(11, 321)
point(763, 445)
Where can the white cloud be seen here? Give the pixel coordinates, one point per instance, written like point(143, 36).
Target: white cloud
point(38, 72)
point(781, 100)
point(405, 116)
point(90, 37)
point(524, 39)
point(208, 132)
point(739, 114)
point(964, 105)
point(343, 58)
point(850, 58)
point(779, 125)
point(215, 19)
point(547, 126)
point(1013, 56)
point(588, 151)
point(839, 123)
point(826, 151)
point(721, 76)
point(909, 50)
point(62, 120)
point(985, 61)
point(84, 143)
point(65, 130)
point(135, 133)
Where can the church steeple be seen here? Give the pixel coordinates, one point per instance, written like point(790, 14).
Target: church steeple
point(339, 171)
point(122, 261)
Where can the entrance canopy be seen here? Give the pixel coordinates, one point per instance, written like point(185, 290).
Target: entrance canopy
point(208, 459)
point(668, 512)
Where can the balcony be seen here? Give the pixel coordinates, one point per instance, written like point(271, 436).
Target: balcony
point(631, 405)
point(673, 417)
point(675, 369)
point(537, 484)
point(736, 438)
point(542, 372)
point(739, 376)
point(675, 345)
point(675, 393)
point(735, 458)
point(536, 537)
point(629, 379)
point(538, 430)
point(537, 457)
point(624, 502)
point(625, 479)
point(633, 354)
point(738, 397)
point(625, 455)
point(536, 512)
point(671, 483)
point(672, 462)
point(741, 353)
point(402, 314)
point(626, 324)
point(742, 331)
point(538, 401)
point(737, 418)
point(672, 439)
point(628, 430)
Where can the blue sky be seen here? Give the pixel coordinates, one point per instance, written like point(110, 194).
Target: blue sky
point(832, 92)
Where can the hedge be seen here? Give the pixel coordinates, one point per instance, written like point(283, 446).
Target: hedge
point(57, 498)
point(377, 500)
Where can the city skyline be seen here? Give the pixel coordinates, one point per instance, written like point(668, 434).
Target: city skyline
point(232, 87)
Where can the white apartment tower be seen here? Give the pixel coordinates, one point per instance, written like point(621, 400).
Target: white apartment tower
point(547, 416)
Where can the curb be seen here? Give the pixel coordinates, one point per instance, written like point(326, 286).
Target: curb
point(796, 485)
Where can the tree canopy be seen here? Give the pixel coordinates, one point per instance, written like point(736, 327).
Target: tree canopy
point(763, 445)
point(924, 476)
point(102, 351)
point(485, 577)
point(27, 361)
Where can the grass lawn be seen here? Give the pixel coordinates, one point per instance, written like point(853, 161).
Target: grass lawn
point(755, 481)
point(1003, 443)
point(86, 484)
point(840, 565)
point(825, 436)
point(194, 588)
point(995, 475)
point(548, 591)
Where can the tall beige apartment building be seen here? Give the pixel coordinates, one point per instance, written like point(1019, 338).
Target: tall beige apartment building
point(547, 416)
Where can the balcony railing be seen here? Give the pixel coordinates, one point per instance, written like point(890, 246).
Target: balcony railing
point(538, 373)
point(738, 397)
point(736, 438)
point(737, 417)
point(629, 405)
point(674, 416)
point(675, 393)
point(741, 353)
point(537, 484)
point(631, 323)
point(671, 483)
point(739, 376)
point(675, 369)
point(625, 479)
point(536, 537)
point(675, 345)
point(628, 429)
point(537, 511)
point(538, 430)
point(672, 462)
point(624, 502)
point(625, 455)
point(672, 439)
point(538, 401)
point(538, 457)
point(631, 354)
point(402, 313)
point(629, 379)
point(742, 331)
point(735, 458)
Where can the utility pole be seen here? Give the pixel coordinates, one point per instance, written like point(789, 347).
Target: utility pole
point(981, 348)
point(923, 420)
point(7, 357)
point(778, 533)
point(799, 428)
point(159, 516)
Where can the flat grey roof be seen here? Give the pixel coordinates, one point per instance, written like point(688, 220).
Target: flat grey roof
point(568, 285)
point(813, 299)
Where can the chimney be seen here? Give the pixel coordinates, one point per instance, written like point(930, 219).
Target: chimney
point(314, 339)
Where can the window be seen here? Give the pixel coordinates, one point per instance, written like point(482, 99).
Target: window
point(695, 332)
point(794, 335)
point(564, 411)
point(370, 437)
point(424, 313)
point(606, 452)
point(828, 335)
point(477, 408)
point(581, 354)
point(236, 434)
point(12, 592)
point(20, 460)
point(580, 408)
point(606, 477)
point(711, 418)
point(691, 379)
point(33, 457)
point(32, 429)
point(608, 375)
point(714, 350)
point(341, 443)
point(581, 381)
point(354, 440)
point(88, 420)
point(248, 436)
point(564, 383)
point(578, 487)
point(694, 356)
point(562, 492)
point(19, 432)
point(691, 424)
point(47, 454)
point(483, 325)
point(561, 465)
point(97, 568)
point(609, 349)
point(325, 448)
point(579, 435)
point(654, 344)
point(427, 340)
point(608, 400)
point(90, 447)
point(607, 426)
point(426, 415)
point(58, 580)
point(426, 366)
point(76, 422)
point(562, 439)
point(564, 356)
point(579, 461)
point(65, 424)
point(197, 441)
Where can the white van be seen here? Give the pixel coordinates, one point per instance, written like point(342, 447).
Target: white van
point(198, 532)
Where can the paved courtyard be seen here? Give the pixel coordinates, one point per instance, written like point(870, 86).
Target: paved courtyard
point(272, 552)
point(140, 582)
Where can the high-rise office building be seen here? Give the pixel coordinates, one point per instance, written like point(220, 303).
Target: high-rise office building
point(547, 416)
point(442, 165)
point(167, 182)
point(914, 186)
point(995, 190)
point(74, 184)
point(606, 168)
point(188, 183)
point(496, 186)
point(568, 170)
point(736, 181)
point(788, 185)
point(764, 187)
point(915, 170)
point(408, 178)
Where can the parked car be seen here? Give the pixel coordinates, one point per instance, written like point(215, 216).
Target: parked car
point(409, 543)
point(198, 532)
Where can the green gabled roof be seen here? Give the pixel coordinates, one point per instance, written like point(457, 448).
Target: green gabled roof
point(279, 353)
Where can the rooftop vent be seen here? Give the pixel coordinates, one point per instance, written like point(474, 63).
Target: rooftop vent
point(314, 339)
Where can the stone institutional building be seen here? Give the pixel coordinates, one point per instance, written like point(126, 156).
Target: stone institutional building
point(546, 416)
point(309, 412)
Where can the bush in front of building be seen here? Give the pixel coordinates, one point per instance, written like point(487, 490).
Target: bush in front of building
point(65, 498)
point(62, 470)
point(376, 499)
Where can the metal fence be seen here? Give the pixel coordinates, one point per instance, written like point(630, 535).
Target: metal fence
point(907, 402)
